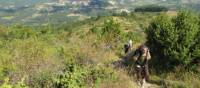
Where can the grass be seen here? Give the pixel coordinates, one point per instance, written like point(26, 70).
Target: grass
point(74, 57)
point(7, 17)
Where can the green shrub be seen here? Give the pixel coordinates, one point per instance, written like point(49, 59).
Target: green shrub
point(41, 80)
point(174, 38)
point(151, 8)
point(6, 84)
point(111, 31)
point(20, 84)
point(22, 33)
point(72, 77)
point(79, 76)
point(136, 37)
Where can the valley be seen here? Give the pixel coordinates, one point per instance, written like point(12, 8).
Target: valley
point(40, 12)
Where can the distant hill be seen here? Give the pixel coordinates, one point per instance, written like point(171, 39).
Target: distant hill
point(37, 12)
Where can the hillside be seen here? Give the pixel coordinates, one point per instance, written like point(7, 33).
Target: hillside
point(38, 57)
point(83, 54)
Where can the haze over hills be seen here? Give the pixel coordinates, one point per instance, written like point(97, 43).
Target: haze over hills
point(36, 12)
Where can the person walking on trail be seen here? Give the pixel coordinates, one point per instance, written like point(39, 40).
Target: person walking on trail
point(128, 46)
point(141, 57)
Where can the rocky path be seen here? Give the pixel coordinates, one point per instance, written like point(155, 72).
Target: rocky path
point(134, 83)
point(149, 85)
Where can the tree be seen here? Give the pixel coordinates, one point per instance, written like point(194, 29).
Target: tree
point(98, 3)
point(151, 8)
point(175, 39)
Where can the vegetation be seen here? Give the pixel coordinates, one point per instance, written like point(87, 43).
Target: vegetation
point(67, 57)
point(151, 8)
point(175, 39)
point(84, 54)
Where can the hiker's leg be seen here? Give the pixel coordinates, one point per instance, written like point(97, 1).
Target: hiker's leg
point(126, 51)
point(139, 75)
point(129, 49)
point(143, 76)
point(146, 71)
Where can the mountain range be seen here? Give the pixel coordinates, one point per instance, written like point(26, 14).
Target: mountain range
point(37, 12)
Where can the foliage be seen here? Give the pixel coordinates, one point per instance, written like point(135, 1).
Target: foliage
point(73, 77)
point(173, 38)
point(151, 8)
point(111, 30)
point(6, 84)
point(20, 84)
point(76, 55)
point(78, 76)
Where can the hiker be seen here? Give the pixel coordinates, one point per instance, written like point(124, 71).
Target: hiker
point(128, 46)
point(141, 57)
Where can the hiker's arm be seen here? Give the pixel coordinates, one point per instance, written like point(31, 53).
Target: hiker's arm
point(136, 55)
point(148, 55)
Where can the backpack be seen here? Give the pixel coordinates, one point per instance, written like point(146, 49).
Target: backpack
point(145, 62)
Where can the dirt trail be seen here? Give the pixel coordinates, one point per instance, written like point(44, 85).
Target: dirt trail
point(145, 85)
point(133, 83)
point(120, 65)
point(149, 85)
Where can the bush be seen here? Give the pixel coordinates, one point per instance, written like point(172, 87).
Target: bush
point(79, 76)
point(20, 33)
point(111, 30)
point(151, 8)
point(174, 38)
point(109, 33)
point(72, 77)
point(41, 80)
point(20, 84)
